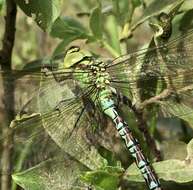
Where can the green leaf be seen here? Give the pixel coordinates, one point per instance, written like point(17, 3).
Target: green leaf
point(44, 12)
point(96, 22)
point(22, 157)
point(168, 170)
point(62, 45)
point(136, 3)
point(1, 4)
point(187, 5)
point(66, 41)
point(112, 27)
point(106, 179)
point(158, 5)
point(174, 149)
point(183, 22)
point(68, 28)
point(179, 110)
point(58, 173)
point(190, 150)
point(122, 10)
point(154, 8)
point(108, 155)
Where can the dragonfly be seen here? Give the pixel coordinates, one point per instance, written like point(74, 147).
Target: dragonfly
point(78, 90)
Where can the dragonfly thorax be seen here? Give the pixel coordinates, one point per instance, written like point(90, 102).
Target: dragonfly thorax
point(93, 74)
point(102, 80)
point(89, 70)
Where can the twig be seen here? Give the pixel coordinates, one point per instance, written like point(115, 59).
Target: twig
point(5, 61)
point(166, 93)
point(139, 114)
point(163, 95)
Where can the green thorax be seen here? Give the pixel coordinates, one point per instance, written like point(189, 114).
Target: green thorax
point(89, 71)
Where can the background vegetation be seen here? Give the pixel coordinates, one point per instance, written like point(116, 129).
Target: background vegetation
point(35, 29)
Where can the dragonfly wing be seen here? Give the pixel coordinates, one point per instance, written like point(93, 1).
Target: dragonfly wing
point(147, 74)
point(66, 110)
point(59, 108)
point(25, 88)
point(171, 62)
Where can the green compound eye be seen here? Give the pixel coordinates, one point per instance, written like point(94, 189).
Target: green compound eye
point(75, 55)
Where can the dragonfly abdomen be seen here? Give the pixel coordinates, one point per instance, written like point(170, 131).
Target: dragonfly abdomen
point(109, 108)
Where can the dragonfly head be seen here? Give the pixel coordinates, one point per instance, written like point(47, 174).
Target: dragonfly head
point(162, 26)
point(164, 21)
point(75, 55)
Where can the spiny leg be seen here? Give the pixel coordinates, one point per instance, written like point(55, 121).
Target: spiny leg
point(141, 124)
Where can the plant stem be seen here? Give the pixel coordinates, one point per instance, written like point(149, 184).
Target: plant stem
point(150, 140)
point(8, 98)
point(110, 49)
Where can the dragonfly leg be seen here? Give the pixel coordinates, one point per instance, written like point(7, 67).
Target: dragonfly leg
point(58, 106)
point(141, 124)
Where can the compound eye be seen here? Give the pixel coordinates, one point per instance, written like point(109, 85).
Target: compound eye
point(73, 49)
point(163, 17)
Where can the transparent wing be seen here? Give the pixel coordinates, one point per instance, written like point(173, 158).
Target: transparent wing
point(168, 59)
point(62, 124)
point(26, 82)
point(142, 76)
point(69, 109)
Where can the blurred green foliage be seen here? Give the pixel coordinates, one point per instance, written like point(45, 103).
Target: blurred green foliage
point(108, 28)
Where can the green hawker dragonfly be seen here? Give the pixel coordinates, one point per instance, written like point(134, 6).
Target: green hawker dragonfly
point(78, 90)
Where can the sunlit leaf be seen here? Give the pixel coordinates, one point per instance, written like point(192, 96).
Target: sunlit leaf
point(68, 28)
point(181, 111)
point(106, 179)
point(55, 174)
point(187, 5)
point(113, 33)
point(174, 150)
point(169, 170)
point(190, 150)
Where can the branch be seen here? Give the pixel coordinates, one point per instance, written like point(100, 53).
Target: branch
point(8, 98)
point(9, 35)
point(138, 111)
point(164, 95)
